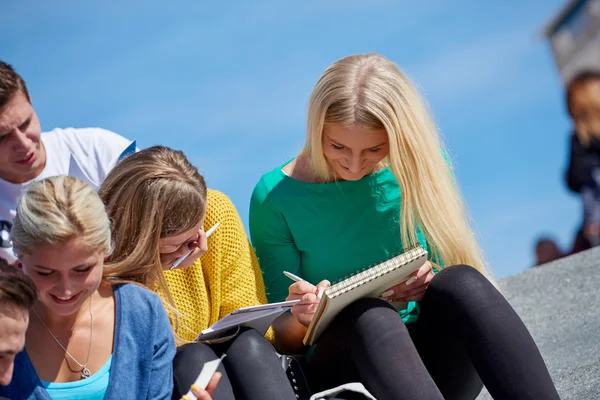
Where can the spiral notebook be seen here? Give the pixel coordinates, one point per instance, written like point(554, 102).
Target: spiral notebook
point(371, 282)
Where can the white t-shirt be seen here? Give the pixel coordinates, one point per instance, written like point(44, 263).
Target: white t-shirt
point(87, 153)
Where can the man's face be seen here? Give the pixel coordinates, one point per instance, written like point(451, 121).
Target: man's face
point(22, 155)
point(13, 325)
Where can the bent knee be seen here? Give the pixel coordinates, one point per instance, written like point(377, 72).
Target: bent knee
point(460, 281)
point(461, 274)
point(367, 314)
point(193, 354)
point(252, 343)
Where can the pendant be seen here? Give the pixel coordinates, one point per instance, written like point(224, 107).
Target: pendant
point(85, 373)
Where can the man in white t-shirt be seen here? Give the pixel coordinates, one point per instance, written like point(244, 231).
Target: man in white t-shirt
point(27, 154)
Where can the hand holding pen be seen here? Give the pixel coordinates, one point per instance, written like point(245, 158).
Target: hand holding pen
point(201, 244)
point(309, 296)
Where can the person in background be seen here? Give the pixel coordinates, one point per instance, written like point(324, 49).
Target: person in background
point(583, 171)
point(580, 242)
point(17, 295)
point(372, 181)
point(546, 250)
point(88, 337)
point(161, 210)
point(27, 154)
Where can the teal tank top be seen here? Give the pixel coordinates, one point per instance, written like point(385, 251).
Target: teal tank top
point(92, 388)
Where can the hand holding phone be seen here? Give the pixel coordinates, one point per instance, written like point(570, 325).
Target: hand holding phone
point(204, 378)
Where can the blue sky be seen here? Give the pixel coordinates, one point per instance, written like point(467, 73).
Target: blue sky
point(228, 83)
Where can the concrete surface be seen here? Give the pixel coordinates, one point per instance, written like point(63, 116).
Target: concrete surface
point(560, 305)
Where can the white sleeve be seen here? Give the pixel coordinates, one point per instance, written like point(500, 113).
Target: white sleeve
point(95, 150)
point(7, 254)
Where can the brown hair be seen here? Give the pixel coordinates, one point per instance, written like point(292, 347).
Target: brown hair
point(152, 194)
point(11, 83)
point(16, 288)
point(579, 79)
point(586, 125)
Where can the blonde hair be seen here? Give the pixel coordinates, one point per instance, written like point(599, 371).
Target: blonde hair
point(56, 210)
point(372, 92)
point(152, 194)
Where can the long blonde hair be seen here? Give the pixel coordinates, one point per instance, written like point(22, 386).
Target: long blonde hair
point(152, 194)
point(372, 92)
point(56, 210)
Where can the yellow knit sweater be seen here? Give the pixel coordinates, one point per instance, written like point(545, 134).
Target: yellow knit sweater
point(223, 279)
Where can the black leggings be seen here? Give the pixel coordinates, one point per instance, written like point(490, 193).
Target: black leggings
point(251, 370)
point(466, 333)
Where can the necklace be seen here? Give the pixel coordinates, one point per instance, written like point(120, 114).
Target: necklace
point(85, 372)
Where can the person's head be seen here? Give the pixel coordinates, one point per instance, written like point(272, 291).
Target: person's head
point(157, 201)
point(346, 135)
point(61, 236)
point(546, 250)
point(363, 114)
point(583, 105)
point(17, 295)
point(22, 155)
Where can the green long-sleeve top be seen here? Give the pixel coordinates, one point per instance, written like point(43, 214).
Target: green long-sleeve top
point(325, 230)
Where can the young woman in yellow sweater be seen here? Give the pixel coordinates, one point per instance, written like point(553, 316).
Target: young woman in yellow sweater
point(160, 207)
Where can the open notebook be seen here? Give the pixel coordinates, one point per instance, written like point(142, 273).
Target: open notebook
point(258, 317)
point(371, 282)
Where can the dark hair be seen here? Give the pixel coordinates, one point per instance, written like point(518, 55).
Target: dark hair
point(543, 241)
point(578, 80)
point(16, 288)
point(11, 83)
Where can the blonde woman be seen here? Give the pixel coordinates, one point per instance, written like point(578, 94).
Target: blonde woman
point(161, 210)
point(372, 181)
point(87, 337)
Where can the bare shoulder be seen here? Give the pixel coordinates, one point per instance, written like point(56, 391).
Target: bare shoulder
point(288, 169)
point(299, 169)
point(104, 298)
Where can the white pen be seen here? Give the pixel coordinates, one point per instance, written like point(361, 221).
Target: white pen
point(180, 259)
point(211, 230)
point(296, 278)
